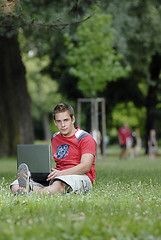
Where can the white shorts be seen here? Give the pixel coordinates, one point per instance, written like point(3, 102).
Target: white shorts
point(77, 183)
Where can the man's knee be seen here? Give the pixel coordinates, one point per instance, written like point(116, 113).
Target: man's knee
point(14, 188)
point(58, 186)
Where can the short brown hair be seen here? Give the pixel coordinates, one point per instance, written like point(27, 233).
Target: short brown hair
point(63, 107)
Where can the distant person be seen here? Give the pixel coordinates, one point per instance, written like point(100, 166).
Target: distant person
point(138, 142)
point(124, 138)
point(74, 153)
point(97, 137)
point(133, 144)
point(152, 144)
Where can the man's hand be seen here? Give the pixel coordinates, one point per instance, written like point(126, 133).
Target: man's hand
point(53, 174)
point(82, 168)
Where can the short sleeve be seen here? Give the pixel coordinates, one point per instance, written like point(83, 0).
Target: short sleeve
point(88, 145)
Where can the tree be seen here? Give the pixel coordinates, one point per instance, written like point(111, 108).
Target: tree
point(91, 55)
point(138, 33)
point(27, 16)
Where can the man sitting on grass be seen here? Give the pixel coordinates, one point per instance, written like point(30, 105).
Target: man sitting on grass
point(74, 153)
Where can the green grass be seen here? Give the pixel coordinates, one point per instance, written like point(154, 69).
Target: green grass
point(125, 204)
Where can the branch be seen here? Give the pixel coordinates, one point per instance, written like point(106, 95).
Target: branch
point(7, 7)
point(17, 20)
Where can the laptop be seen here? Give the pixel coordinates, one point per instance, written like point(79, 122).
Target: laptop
point(38, 160)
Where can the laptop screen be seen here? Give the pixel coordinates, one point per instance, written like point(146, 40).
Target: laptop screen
point(37, 157)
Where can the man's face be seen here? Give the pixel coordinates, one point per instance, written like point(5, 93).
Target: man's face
point(65, 123)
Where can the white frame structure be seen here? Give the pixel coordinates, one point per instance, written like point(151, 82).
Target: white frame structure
point(94, 116)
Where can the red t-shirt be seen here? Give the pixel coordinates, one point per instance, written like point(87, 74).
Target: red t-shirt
point(124, 133)
point(67, 151)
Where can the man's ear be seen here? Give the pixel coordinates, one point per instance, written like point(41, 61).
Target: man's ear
point(73, 119)
point(55, 123)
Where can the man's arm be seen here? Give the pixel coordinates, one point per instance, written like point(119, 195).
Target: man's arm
point(82, 168)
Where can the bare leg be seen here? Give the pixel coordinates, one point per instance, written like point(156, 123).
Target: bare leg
point(56, 187)
point(123, 153)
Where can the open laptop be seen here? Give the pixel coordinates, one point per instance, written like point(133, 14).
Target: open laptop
point(38, 160)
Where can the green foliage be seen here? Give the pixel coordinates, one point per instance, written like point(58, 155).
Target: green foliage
point(127, 112)
point(123, 205)
point(138, 29)
point(35, 15)
point(92, 57)
point(42, 89)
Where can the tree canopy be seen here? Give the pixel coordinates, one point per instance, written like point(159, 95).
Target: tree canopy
point(91, 55)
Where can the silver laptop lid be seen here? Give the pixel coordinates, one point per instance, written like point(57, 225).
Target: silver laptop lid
point(37, 157)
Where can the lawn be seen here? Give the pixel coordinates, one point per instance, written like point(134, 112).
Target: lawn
point(125, 204)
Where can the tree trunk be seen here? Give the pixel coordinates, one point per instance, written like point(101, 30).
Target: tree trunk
point(46, 126)
point(16, 125)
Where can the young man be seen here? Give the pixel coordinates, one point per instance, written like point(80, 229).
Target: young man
point(74, 153)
